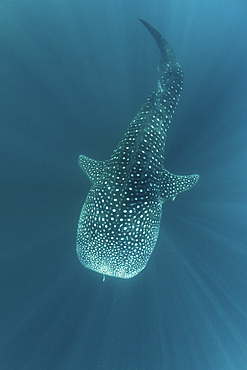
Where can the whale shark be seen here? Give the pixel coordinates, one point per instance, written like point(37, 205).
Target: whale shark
point(120, 219)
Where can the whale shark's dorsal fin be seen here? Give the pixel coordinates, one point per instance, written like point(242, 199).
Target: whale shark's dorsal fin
point(92, 168)
point(172, 185)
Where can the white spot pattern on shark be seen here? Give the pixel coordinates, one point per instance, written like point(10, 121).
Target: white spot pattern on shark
point(120, 219)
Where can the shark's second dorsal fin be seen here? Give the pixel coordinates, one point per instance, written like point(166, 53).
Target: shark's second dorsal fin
point(92, 168)
point(172, 185)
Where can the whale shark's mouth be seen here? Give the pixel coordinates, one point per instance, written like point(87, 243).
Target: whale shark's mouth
point(120, 272)
point(122, 268)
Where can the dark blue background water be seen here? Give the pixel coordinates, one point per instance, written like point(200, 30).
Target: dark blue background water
point(72, 76)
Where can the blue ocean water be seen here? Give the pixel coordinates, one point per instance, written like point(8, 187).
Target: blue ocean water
point(73, 75)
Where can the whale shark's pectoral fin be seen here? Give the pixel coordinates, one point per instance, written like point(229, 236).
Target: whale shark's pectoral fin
point(93, 169)
point(172, 185)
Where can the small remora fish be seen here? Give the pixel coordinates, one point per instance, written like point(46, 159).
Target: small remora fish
point(120, 219)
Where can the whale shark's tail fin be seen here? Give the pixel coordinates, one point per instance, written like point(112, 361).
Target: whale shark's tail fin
point(167, 54)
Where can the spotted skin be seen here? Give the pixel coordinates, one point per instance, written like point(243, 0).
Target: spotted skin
point(120, 219)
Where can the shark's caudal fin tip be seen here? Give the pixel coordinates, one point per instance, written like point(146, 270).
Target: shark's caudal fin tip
point(141, 20)
point(167, 54)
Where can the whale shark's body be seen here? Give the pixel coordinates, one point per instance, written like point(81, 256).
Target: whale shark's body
point(120, 219)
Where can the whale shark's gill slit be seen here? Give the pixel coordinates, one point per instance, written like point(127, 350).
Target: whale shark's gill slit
point(120, 219)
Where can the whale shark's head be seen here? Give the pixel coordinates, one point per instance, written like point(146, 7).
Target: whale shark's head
point(115, 237)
